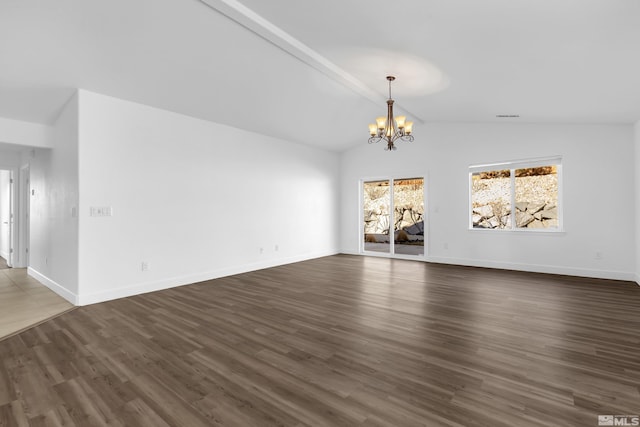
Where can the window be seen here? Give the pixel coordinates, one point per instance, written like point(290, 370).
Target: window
point(521, 195)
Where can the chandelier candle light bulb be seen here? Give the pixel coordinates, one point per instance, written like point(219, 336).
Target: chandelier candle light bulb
point(408, 128)
point(390, 129)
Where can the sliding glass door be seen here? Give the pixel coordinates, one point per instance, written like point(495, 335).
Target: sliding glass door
point(393, 216)
point(377, 206)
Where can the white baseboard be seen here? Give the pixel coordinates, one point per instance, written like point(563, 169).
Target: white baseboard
point(534, 268)
point(386, 255)
point(142, 288)
point(537, 268)
point(55, 287)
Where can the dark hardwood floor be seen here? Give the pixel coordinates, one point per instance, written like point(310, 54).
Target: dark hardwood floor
point(337, 341)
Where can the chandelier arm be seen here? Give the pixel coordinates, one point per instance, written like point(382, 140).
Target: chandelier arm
point(407, 138)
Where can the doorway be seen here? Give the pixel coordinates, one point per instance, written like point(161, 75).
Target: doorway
point(14, 217)
point(6, 219)
point(393, 217)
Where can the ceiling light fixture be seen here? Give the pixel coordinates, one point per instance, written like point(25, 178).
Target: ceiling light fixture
point(390, 129)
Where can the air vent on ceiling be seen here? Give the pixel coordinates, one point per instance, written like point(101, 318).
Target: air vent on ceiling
point(507, 116)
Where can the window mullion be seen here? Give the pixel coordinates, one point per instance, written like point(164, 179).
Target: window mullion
point(513, 199)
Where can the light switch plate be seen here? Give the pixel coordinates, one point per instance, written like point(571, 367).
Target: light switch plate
point(101, 211)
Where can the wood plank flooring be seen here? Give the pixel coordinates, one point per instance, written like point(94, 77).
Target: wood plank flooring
point(25, 302)
point(336, 341)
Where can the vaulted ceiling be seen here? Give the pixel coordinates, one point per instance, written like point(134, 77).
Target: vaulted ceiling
point(314, 71)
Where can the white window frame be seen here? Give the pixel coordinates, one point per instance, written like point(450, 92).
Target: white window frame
point(512, 166)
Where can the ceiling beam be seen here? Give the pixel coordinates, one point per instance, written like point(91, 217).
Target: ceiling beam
point(255, 23)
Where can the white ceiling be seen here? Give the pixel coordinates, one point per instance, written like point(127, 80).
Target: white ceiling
point(569, 61)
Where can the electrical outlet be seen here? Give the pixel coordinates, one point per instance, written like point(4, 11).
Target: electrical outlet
point(276, 248)
point(261, 250)
point(598, 255)
point(144, 266)
point(445, 245)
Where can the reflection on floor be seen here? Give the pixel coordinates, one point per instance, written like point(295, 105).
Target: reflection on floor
point(25, 302)
point(3, 263)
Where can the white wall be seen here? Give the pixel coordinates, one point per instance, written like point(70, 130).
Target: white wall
point(193, 199)
point(53, 255)
point(9, 159)
point(25, 133)
point(5, 212)
point(637, 197)
point(197, 200)
point(598, 171)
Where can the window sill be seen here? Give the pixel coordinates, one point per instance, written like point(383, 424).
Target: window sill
point(558, 232)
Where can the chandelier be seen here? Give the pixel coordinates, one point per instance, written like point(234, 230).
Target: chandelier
point(390, 129)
